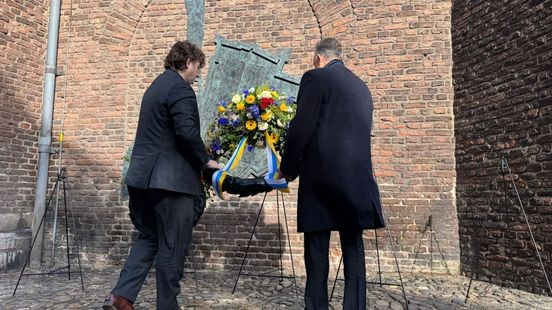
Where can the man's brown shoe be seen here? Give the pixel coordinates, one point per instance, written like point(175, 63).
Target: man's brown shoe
point(116, 302)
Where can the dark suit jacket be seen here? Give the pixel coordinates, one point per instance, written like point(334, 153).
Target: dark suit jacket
point(328, 146)
point(168, 151)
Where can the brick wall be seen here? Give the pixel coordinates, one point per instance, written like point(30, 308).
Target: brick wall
point(22, 50)
point(502, 56)
point(401, 49)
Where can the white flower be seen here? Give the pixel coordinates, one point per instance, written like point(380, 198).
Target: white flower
point(234, 117)
point(252, 90)
point(279, 123)
point(290, 109)
point(266, 94)
point(237, 98)
point(263, 126)
point(249, 115)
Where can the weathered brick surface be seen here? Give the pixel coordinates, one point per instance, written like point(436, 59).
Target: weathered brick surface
point(22, 49)
point(502, 56)
point(400, 48)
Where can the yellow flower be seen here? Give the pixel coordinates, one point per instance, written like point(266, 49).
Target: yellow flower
point(283, 107)
point(273, 138)
point(250, 124)
point(250, 99)
point(275, 95)
point(266, 116)
point(240, 106)
point(221, 109)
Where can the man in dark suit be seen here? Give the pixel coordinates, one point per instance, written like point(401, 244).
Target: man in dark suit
point(164, 180)
point(328, 146)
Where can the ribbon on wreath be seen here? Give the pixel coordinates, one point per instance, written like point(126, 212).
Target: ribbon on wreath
point(273, 163)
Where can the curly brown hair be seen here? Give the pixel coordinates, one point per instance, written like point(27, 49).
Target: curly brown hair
point(180, 52)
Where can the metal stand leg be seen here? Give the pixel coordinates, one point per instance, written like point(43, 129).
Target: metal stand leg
point(432, 233)
point(249, 243)
point(34, 240)
point(75, 235)
point(280, 237)
point(504, 166)
point(194, 270)
point(336, 276)
point(397, 264)
point(289, 244)
point(378, 258)
point(266, 274)
point(432, 238)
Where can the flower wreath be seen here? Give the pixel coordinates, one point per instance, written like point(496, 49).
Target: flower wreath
point(256, 117)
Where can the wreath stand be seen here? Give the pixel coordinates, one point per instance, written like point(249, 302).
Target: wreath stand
point(503, 167)
point(432, 240)
point(280, 269)
point(60, 182)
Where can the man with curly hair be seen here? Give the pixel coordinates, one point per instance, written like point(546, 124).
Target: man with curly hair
point(164, 180)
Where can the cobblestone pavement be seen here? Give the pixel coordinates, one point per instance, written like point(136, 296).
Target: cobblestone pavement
point(214, 291)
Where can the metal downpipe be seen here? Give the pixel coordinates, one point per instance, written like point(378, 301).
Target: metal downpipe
point(45, 139)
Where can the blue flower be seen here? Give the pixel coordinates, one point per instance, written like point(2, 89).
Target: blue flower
point(223, 103)
point(291, 99)
point(245, 92)
point(236, 123)
point(250, 147)
point(254, 111)
point(216, 146)
point(223, 121)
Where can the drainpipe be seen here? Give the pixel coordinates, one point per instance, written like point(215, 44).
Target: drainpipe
point(45, 140)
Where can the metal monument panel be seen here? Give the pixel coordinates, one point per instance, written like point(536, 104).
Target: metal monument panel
point(236, 66)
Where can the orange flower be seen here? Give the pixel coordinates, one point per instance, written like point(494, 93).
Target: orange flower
point(250, 99)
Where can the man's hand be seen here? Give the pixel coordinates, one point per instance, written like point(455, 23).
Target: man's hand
point(282, 175)
point(213, 165)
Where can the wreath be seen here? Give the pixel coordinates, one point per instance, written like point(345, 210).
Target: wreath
point(257, 117)
point(259, 114)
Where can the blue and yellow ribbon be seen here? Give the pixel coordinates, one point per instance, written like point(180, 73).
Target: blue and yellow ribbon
point(273, 163)
point(220, 175)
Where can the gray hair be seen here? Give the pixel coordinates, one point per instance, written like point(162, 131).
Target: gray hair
point(328, 47)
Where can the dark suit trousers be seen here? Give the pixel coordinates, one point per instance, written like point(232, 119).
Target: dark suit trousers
point(317, 265)
point(164, 223)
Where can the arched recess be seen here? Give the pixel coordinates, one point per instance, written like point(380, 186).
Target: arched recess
point(149, 43)
point(139, 33)
point(336, 19)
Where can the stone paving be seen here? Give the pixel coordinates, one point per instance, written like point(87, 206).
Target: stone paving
point(213, 290)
